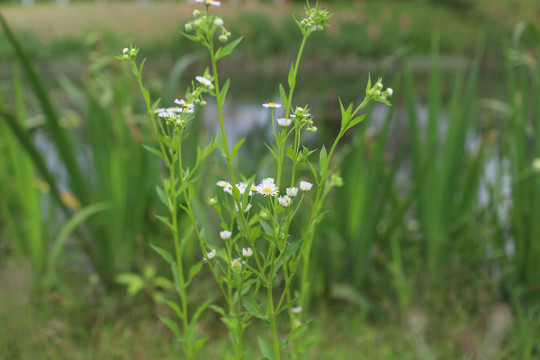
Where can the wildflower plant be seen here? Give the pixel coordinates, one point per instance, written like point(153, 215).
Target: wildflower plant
point(255, 246)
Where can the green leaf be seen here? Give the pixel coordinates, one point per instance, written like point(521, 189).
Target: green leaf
point(171, 325)
point(226, 50)
point(165, 220)
point(292, 79)
point(194, 270)
point(266, 350)
point(237, 147)
point(199, 343)
point(355, 121)
point(289, 251)
point(163, 253)
point(158, 154)
point(163, 197)
point(323, 162)
point(223, 92)
point(221, 144)
point(253, 308)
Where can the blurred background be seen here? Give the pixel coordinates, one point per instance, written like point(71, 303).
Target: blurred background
point(430, 250)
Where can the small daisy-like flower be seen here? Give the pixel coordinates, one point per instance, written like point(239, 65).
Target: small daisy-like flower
point(225, 234)
point(184, 104)
point(208, 2)
point(247, 252)
point(297, 310)
point(292, 192)
point(305, 186)
point(283, 122)
point(297, 323)
point(271, 105)
point(242, 187)
point(227, 187)
point(203, 80)
point(284, 201)
point(267, 187)
point(236, 264)
point(247, 207)
point(209, 255)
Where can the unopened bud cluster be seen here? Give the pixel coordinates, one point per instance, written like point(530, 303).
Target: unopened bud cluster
point(206, 25)
point(377, 93)
point(128, 54)
point(302, 115)
point(315, 20)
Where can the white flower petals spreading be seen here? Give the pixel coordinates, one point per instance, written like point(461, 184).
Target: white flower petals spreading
point(225, 234)
point(227, 187)
point(247, 252)
point(305, 186)
point(208, 2)
point(284, 201)
point(296, 310)
point(203, 80)
point(267, 187)
point(292, 192)
point(184, 104)
point(236, 264)
point(271, 105)
point(283, 122)
point(209, 255)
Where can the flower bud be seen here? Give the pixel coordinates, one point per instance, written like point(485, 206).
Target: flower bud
point(223, 38)
point(218, 22)
point(188, 27)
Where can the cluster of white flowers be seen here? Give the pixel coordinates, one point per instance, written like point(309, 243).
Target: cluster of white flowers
point(267, 187)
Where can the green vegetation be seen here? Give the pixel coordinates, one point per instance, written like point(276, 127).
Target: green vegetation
point(430, 246)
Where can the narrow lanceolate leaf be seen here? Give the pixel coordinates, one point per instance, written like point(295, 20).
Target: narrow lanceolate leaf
point(226, 50)
point(292, 79)
point(253, 308)
point(157, 153)
point(163, 253)
point(355, 121)
point(195, 269)
point(223, 91)
point(323, 162)
point(236, 147)
point(165, 220)
point(164, 199)
point(174, 306)
point(266, 350)
point(171, 325)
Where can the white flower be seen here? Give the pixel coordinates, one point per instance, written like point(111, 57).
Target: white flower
point(247, 252)
point(305, 186)
point(225, 234)
point(267, 187)
point(271, 105)
point(297, 310)
point(292, 192)
point(227, 187)
point(284, 201)
point(283, 122)
point(203, 80)
point(183, 103)
point(218, 22)
point(236, 264)
point(209, 255)
point(243, 186)
point(208, 2)
point(297, 323)
point(247, 207)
